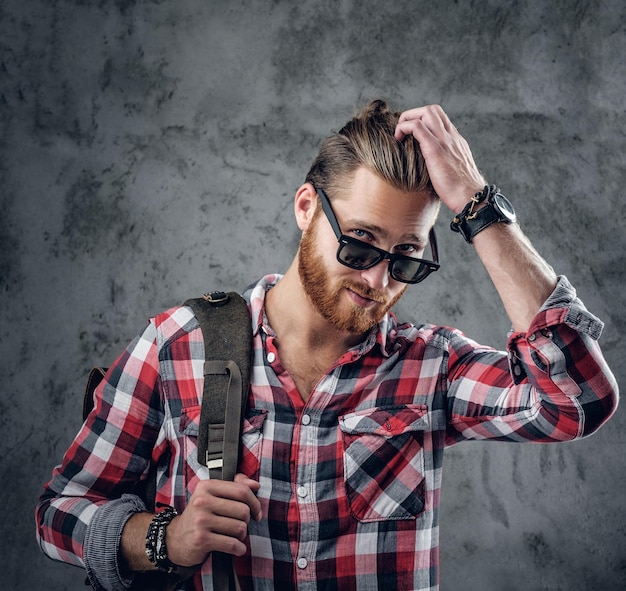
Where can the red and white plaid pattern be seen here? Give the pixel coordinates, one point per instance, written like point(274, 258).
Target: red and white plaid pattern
point(350, 480)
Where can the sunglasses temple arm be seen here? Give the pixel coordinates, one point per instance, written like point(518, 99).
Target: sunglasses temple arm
point(433, 245)
point(330, 214)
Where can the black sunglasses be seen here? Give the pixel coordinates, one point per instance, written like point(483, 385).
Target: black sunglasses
point(357, 254)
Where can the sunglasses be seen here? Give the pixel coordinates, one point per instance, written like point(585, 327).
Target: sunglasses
point(357, 254)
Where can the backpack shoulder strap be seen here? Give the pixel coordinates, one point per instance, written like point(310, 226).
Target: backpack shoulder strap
point(227, 332)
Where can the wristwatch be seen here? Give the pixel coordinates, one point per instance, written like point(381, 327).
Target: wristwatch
point(497, 209)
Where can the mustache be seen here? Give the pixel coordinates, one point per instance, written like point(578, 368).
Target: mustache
point(366, 292)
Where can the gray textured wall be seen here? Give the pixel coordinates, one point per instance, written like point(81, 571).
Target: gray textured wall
point(150, 150)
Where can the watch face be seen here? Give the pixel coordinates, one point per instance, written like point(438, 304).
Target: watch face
point(503, 206)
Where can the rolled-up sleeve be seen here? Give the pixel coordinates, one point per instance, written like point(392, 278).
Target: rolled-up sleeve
point(552, 384)
point(102, 542)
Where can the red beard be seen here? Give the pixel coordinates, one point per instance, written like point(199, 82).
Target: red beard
point(330, 301)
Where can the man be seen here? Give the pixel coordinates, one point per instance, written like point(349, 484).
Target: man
point(349, 411)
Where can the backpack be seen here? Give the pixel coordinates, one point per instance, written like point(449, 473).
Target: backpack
point(226, 329)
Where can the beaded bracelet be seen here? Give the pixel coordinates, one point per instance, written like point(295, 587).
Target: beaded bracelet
point(156, 551)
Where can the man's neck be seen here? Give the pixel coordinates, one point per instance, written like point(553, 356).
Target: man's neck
point(292, 315)
point(308, 345)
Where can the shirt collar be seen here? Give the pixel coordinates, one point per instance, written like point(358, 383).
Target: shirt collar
point(255, 296)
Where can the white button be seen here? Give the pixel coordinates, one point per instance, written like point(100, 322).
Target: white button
point(271, 357)
point(302, 562)
point(302, 492)
point(532, 337)
point(306, 420)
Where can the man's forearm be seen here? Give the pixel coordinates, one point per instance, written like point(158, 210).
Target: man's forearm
point(521, 276)
point(132, 553)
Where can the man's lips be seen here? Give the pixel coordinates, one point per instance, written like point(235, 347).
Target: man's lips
point(361, 300)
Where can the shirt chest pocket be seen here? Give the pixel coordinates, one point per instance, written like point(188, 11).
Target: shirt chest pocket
point(384, 461)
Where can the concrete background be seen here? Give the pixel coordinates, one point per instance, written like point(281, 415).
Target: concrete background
point(150, 150)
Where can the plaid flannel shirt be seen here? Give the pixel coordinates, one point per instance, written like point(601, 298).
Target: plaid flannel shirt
point(350, 480)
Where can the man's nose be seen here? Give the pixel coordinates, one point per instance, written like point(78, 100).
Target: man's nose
point(377, 277)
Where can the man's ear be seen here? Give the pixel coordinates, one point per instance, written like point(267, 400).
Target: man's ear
point(305, 204)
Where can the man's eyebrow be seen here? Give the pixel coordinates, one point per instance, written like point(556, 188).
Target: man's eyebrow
point(382, 233)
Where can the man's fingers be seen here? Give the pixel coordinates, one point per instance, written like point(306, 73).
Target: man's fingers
point(215, 519)
point(227, 526)
point(431, 117)
point(236, 503)
point(254, 486)
point(227, 544)
point(231, 499)
point(414, 127)
point(412, 114)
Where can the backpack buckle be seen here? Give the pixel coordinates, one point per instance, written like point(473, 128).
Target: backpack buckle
point(217, 298)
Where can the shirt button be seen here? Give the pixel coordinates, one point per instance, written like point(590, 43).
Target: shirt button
point(302, 492)
point(532, 337)
point(271, 357)
point(306, 420)
point(302, 562)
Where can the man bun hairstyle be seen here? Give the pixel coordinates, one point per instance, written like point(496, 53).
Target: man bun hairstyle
point(368, 140)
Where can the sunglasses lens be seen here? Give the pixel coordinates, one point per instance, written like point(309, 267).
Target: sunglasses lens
point(409, 271)
point(357, 256)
